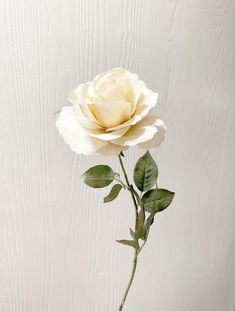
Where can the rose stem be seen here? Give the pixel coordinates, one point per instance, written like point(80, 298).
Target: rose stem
point(128, 184)
point(136, 252)
point(130, 281)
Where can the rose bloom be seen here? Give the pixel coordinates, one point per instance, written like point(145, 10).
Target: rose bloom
point(111, 113)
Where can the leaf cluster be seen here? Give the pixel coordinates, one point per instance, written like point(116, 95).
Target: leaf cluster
point(150, 201)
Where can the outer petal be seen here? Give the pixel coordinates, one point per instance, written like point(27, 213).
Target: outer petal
point(75, 136)
point(111, 149)
point(141, 132)
point(147, 101)
point(157, 139)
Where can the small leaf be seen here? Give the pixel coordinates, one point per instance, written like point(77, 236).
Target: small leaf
point(146, 227)
point(98, 176)
point(122, 154)
point(132, 233)
point(145, 172)
point(139, 223)
point(156, 200)
point(131, 243)
point(113, 193)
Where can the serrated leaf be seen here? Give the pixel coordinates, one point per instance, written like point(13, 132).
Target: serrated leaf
point(139, 223)
point(145, 172)
point(114, 192)
point(132, 243)
point(98, 176)
point(156, 200)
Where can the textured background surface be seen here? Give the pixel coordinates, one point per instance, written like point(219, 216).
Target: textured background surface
point(57, 238)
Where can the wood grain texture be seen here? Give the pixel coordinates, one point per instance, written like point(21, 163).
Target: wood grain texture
point(57, 238)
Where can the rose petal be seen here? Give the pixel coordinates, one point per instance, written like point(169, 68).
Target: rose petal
point(75, 136)
point(130, 122)
point(103, 135)
point(157, 139)
point(147, 101)
point(142, 110)
point(84, 121)
point(118, 72)
point(133, 90)
point(111, 114)
point(111, 149)
point(115, 94)
point(78, 97)
point(141, 132)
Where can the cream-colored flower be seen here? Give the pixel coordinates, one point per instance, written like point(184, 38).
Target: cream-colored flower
point(109, 114)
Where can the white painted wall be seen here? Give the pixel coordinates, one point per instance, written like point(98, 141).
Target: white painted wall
point(57, 238)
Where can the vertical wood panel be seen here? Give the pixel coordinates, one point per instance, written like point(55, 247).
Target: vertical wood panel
point(57, 238)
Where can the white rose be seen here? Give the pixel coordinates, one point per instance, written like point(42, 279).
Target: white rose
point(109, 114)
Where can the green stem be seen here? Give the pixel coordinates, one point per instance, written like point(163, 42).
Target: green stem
point(130, 188)
point(129, 185)
point(130, 281)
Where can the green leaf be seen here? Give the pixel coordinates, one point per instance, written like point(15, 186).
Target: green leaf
point(113, 193)
point(145, 172)
point(156, 200)
point(131, 243)
point(146, 227)
point(132, 233)
point(139, 223)
point(98, 176)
